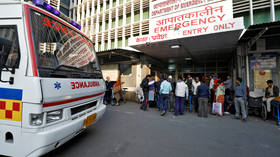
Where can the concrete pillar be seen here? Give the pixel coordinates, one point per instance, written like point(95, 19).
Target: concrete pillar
point(176, 73)
point(141, 17)
point(124, 23)
point(272, 11)
point(251, 12)
point(132, 18)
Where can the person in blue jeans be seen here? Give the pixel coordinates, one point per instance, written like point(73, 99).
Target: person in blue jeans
point(158, 83)
point(240, 93)
point(165, 89)
point(181, 93)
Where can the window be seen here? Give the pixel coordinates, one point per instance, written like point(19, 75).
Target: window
point(61, 51)
point(107, 4)
point(64, 10)
point(114, 3)
point(128, 18)
point(126, 41)
point(120, 2)
point(113, 22)
point(137, 16)
point(9, 46)
point(119, 42)
point(120, 20)
point(66, 2)
point(106, 45)
point(112, 44)
point(146, 13)
point(106, 24)
point(125, 69)
point(272, 43)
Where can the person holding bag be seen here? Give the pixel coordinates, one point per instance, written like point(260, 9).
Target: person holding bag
point(220, 96)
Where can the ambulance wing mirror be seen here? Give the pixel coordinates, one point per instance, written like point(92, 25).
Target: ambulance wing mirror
point(3, 67)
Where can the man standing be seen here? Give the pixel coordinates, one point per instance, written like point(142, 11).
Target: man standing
point(145, 87)
point(158, 83)
point(211, 86)
point(165, 89)
point(240, 99)
point(228, 86)
point(271, 92)
point(171, 101)
point(195, 84)
point(108, 93)
point(203, 94)
point(189, 82)
point(181, 93)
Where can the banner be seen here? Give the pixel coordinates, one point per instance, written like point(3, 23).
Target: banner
point(263, 62)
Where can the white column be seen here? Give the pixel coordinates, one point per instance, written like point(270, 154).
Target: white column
point(272, 11)
point(141, 17)
point(74, 14)
point(83, 18)
point(58, 4)
point(110, 24)
point(87, 17)
point(251, 13)
point(124, 23)
point(98, 6)
point(92, 7)
point(132, 18)
point(141, 10)
point(78, 13)
point(104, 5)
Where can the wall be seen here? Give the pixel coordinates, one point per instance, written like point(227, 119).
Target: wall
point(111, 70)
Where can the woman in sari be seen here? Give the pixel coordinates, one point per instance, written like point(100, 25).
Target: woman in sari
point(220, 94)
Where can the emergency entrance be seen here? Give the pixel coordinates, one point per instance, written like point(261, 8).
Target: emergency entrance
point(199, 39)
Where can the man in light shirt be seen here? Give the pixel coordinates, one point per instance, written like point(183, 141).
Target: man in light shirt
point(195, 84)
point(165, 89)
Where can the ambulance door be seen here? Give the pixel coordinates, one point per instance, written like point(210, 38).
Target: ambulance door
point(13, 64)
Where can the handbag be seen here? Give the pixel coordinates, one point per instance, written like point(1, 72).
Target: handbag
point(217, 108)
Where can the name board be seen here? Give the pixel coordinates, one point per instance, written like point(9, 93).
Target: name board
point(164, 7)
point(198, 17)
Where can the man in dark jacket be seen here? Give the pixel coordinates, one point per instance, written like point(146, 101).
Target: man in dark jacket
point(108, 93)
point(145, 87)
point(203, 93)
point(271, 92)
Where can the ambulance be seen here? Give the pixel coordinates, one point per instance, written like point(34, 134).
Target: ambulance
point(51, 85)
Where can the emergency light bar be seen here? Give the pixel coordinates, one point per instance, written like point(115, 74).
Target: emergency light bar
point(48, 7)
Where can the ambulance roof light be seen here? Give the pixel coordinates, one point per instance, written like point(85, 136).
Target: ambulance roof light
point(41, 3)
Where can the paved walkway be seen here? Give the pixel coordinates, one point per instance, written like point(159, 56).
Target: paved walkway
point(127, 131)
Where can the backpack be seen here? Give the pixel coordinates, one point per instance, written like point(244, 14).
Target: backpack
point(144, 84)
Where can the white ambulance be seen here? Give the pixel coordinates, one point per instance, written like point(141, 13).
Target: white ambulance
point(51, 85)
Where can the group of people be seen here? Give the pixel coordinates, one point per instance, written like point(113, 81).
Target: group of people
point(113, 92)
point(202, 91)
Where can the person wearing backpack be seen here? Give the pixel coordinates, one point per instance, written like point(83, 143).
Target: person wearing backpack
point(145, 87)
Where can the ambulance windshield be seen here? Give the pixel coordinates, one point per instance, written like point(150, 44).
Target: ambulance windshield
point(62, 51)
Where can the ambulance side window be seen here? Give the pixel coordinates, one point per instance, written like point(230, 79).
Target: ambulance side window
point(9, 47)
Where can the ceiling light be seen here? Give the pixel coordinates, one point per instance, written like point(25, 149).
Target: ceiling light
point(188, 59)
point(175, 46)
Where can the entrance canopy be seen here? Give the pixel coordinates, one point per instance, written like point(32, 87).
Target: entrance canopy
point(200, 49)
